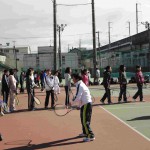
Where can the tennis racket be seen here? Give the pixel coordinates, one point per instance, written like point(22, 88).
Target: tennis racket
point(16, 99)
point(71, 95)
point(55, 97)
point(146, 86)
point(93, 98)
point(62, 110)
point(37, 100)
point(115, 93)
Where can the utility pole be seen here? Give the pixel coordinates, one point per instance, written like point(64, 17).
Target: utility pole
point(68, 48)
point(99, 47)
point(129, 29)
point(79, 44)
point(137, 18)
point(94, 40)
point(109, 33)
point(55, 35)
point(15, 52)
point(60, 28)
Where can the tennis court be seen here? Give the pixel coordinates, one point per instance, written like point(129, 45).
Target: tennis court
point(122, 126)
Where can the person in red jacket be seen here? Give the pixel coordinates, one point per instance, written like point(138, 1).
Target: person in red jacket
point(139, 80)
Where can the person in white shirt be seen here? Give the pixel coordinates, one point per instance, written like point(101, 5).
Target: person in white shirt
point(49, 86)
point(97, 76)
point(83, 96)
point(56, 83)
point(13, 90)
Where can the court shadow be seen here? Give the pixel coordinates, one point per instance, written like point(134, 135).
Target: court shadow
point(26, 110)
point(57, 143)
point(113, 103)
point(140, 118)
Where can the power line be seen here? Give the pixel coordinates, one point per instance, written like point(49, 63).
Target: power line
point(74, 4)
point(41, 37)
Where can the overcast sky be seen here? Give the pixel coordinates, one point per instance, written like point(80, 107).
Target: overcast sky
point(30, 22)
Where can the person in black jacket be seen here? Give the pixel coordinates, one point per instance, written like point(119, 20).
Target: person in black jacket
point(30, 89)
point(5, 86)
point(106, 84)
point(123, 83)
point(22, 78)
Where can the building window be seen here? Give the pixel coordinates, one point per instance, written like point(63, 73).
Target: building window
point(6, 51)
point(63, 60)
point(17, 50)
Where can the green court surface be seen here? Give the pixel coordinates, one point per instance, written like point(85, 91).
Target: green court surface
point(135, 114)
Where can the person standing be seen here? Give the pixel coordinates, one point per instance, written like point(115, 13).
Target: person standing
point(49, 86)
point(97, 76)
point(22, 78)
point(5, 87)
point(83, 97)
point(30, 88)
point(16, 77)
point(12, 85)
point(85, 77)
point(56, 83)
point(42, 80)
point(123, 83)
point(60, 76)
point(67, 84)
point(106, 84)
point(139, 80)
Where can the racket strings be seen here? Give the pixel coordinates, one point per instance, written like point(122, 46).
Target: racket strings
point(61, 110)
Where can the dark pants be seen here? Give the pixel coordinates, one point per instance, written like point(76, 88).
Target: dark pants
point(107, 95)
point(31, 103)
point(5, 96)
point(123, 89)
point(67, 95)
point(47, 98)
point(42, 85)
point(139, 92)
point(85, 115)
point(21, 88)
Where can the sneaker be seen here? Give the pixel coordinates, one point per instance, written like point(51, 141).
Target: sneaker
point(133, 99)
point(142, 100)
point(46, 107)
point(88, 139)
point(102, 101)
point(109, 103)
point(82, 135)
point(1, 113)
point(1, 138)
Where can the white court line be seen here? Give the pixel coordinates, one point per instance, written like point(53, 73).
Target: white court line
point(128, 107)
point(125, 124)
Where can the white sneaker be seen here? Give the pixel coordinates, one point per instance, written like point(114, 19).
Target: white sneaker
point(134, 99)
point(88, 139)
point(2, 114)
